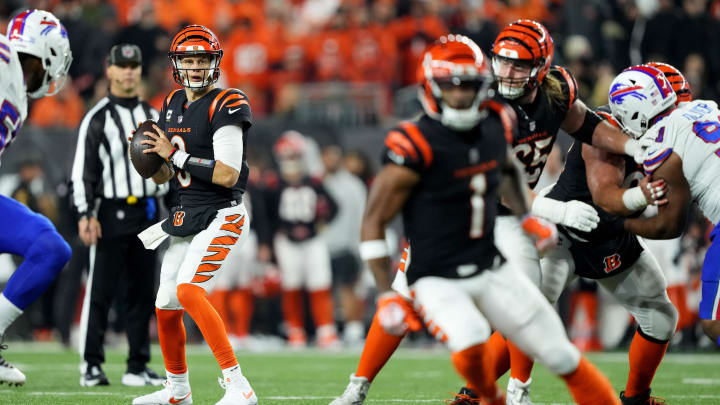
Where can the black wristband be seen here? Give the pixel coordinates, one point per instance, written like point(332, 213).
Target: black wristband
point(200, 168)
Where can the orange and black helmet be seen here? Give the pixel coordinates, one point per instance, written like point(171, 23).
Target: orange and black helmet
point(680, 86)
point(453, 59)
point(195, 40)
point(528, 42)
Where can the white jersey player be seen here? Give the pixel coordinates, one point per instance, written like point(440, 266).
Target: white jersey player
point(34, 60)
point(683, 151)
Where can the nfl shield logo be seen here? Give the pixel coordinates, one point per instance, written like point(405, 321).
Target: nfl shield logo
point(179, 119)
point(127, 52)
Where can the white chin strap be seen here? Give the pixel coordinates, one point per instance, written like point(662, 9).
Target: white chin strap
point(461, 119)
point(510, 92)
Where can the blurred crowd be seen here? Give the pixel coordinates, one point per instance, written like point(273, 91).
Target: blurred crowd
point(291, 54)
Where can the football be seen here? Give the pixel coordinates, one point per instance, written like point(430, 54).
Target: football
point(146, 164)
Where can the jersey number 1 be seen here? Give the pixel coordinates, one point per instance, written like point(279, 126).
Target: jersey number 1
point(478, 184)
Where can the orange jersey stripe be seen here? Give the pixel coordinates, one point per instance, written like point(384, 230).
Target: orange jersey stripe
point(232, 217)
point(420, 141)
point(507, 116)
point(400, 144)
point(609, 118)
point(233, 97)
point(571, 84)
point(219, 255)
point(170, 96)
point(238, 103)
point(215, 101)
point(403, 260)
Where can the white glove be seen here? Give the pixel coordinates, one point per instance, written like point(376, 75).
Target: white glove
point(574, 214)
point(638, 148)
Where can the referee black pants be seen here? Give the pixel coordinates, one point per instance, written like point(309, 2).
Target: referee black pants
point(116, 262)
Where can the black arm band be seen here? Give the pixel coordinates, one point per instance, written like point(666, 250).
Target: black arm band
point(200, 168)
point(585, 132)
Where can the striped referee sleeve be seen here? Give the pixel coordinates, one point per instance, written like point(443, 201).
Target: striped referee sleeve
point(87, 165)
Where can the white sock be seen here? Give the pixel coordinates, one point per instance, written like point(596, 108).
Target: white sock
point(180, 383)
point(8, 313)
point(232, 372)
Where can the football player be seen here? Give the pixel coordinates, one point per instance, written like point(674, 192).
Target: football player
point(297, 205)
point(202, 135)
point(444, 172)
point(618, 260)
point(686, 156)
point(34, 58)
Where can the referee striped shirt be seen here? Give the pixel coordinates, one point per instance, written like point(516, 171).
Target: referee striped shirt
point(102, 168)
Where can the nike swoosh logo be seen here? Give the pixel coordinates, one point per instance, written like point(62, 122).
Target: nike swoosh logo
point(233, 111)
point(247, 395)
point(174, 400)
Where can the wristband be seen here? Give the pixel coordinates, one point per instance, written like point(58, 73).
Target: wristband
point(632, 147)
point(374, 249)
point(170, 156)
point(179, 158)
point(549, 209)
point(634, 199)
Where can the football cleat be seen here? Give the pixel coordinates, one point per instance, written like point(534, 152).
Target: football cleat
point(518, 392)
point(642, 399)
point(172, 394)
point(8, 373)
point(93, 376)
point(237, 391)
point(466, 396)
point(355, 392)
point(141, 379)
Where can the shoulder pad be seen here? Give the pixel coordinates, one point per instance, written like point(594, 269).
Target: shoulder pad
point(231, 100)
point(407, 146)
point(568, 83)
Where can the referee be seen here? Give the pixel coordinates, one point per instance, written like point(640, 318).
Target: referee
point(114, 204)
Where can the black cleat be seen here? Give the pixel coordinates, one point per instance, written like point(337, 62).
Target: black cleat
point(93, 376)
point(466, 396)
point(642, 399)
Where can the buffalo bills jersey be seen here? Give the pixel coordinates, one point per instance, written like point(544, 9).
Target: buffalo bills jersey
point(190, 127)
point(608, 249)
point(296, 210)
point(450, 214)
point(539, 123)
point(13, 97)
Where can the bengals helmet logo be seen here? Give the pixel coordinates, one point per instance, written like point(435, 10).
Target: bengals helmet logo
point(612, 262)
point(178, 218)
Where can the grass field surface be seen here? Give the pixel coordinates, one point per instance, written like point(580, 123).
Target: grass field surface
point(311, 377)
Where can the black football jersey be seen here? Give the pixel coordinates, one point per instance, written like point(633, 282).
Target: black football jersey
point(449, 216)
point(608, 249)
point(539, 123)
point(190, 127)
point(296, 210)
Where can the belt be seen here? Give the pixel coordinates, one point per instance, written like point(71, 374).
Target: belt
point(228, 204)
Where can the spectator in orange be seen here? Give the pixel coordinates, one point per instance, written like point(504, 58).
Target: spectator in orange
point(329, 50)
point(517, 9)
point(413, 34)
point(64, 110)
point(373, 56)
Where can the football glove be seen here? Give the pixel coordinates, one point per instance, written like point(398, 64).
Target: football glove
point(396, 315)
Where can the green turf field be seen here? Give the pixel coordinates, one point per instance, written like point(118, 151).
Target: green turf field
point(310, 377)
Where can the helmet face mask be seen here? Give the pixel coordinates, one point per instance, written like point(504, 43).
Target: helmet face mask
point(454, 69)
point(195, 49)
point(40, 34)
point(521, 57)
point(637, 96)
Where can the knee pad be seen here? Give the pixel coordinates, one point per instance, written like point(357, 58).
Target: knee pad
point(559, 357)
point(659, 319)
point(167, 297)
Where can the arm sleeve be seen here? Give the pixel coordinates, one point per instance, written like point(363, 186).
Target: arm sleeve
point(567, 83)
point(260, 222)
point(228, 146)
point(86, 165)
